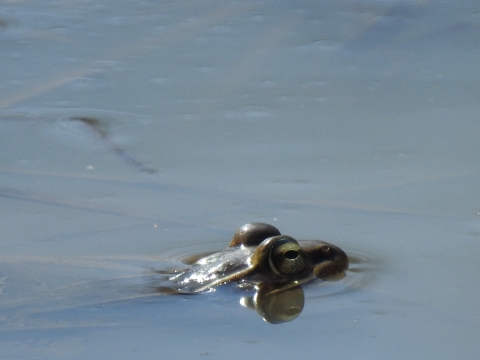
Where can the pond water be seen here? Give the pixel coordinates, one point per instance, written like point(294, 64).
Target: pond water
point(133, 133)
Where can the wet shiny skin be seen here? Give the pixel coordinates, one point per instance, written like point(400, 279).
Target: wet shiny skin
point(257, 254)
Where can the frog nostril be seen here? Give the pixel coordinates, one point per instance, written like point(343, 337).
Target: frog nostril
point(291, 254)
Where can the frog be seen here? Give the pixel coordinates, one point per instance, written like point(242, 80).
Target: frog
point(259, 254)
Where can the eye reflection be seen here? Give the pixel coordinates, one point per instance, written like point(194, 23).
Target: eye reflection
point(276, 304)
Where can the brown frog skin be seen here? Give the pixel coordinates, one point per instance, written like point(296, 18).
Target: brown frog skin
point(258, 253)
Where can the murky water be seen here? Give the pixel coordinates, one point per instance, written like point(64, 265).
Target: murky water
point(133, 134)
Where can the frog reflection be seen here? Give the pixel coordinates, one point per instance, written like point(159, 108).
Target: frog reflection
point(274, 303)
point(275, 265)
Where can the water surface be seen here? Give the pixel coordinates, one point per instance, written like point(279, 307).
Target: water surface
point(129, 130)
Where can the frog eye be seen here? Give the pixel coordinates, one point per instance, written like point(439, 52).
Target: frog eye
point(286, 257)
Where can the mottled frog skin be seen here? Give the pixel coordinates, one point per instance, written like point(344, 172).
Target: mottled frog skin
point(259, 254)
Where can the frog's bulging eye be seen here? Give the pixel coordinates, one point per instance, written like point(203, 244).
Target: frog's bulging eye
point(286, 257)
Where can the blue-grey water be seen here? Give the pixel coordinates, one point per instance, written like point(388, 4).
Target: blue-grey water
point(131, 131)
